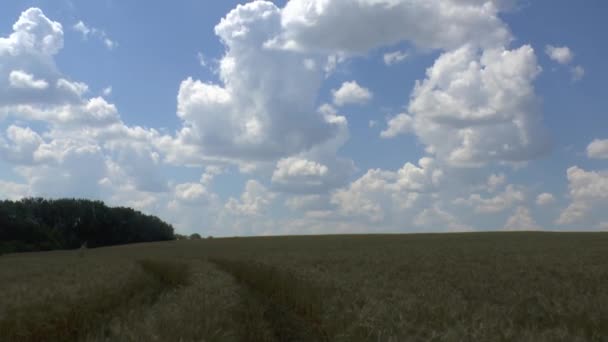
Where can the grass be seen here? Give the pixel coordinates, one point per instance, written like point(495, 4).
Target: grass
point(481, 287)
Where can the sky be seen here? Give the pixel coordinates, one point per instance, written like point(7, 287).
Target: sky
point(311, 116)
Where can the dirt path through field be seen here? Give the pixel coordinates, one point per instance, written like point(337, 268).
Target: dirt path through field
point(65, 320)
point(275, 305)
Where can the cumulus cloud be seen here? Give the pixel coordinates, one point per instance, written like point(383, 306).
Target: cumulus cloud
point(29, 74)
point(397, 125)
point(76, 88)
point(521, 220)
point(351, 93)
point(295, 168)
point(588, 193)
point(22, 143)
point(379, 190)
point(72, 169)
point(502, 201)
point(560, 54)
point(82, 139)
point(395, 57)
point(321, 25)
point(598, 149)
point(265, 106)
point(21, 79)
point(474, 107)
point(545, 199)
point(191, 192)
point(255, 200)
point(33, 32)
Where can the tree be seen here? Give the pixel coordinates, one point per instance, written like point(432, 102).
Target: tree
point(34, 224)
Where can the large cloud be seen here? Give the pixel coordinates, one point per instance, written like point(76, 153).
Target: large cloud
point(265, 107)
point(357, 26)
point(477, 104)
point(479, 107)
point(28, 73)
point(76, 137)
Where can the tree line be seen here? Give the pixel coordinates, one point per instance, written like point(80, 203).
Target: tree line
point(37, 224)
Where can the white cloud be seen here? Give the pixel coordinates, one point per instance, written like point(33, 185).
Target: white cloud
point(351, 93)
point(84, 138)
point(95, 112)
point(28, 73)
point(81, 27)
point(578, 72)
point(564, 55)
point(598, 149)
point(265, 108)
point(545, 199)
point(21, 79)
point(13, 191)
point(502, 201)
point(589, 194)
point(314, 202)
point(87, 31)
point(33, 32)
point(72, 169)
point(521, 220)
point(560, 54)
point(263, 115)
point(109, 43)
point(202, 60)
point(255, 200)
point(495, 181)
point(298, 168)
point(191, 192)
point(378, 190)
point(399, 124)
point(395, 57)
point(439, 220)
point(23, 143)
point(76, 88)
point(107, 91)
point(321, 25)
point(475, 108)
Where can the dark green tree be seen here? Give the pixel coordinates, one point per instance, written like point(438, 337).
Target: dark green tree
point(35, 224)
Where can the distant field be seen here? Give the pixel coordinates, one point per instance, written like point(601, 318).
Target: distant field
point(458, 287)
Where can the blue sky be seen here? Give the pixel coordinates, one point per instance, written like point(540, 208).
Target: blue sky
point(310, 116)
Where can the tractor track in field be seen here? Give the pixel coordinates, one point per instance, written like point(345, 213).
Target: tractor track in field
point(275, 305)
point(74, 320)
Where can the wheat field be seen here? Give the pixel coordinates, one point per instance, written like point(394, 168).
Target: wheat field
point(427, 287)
